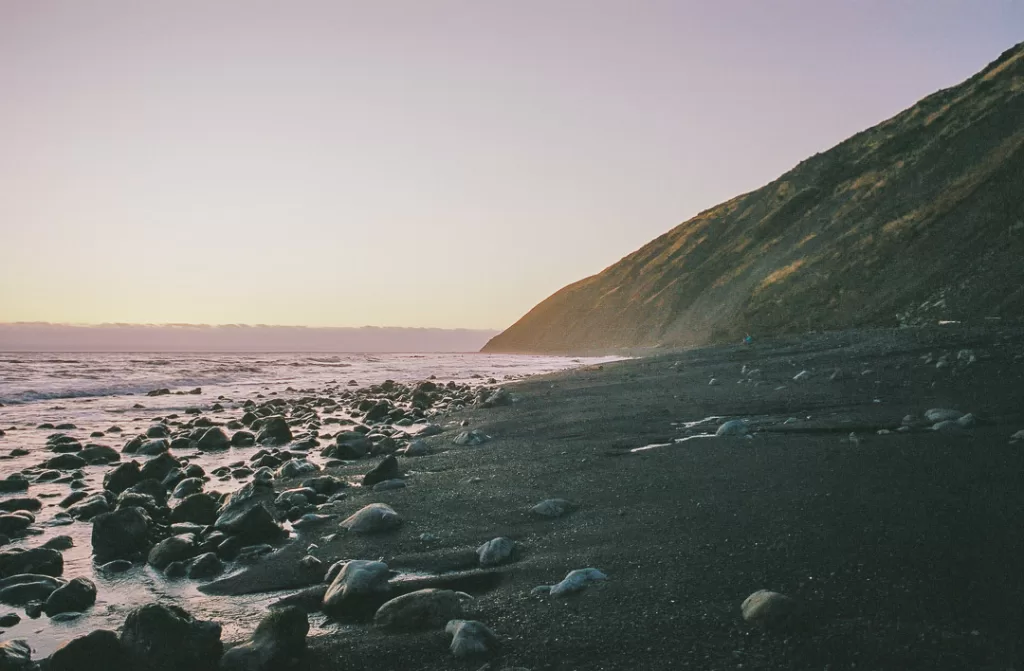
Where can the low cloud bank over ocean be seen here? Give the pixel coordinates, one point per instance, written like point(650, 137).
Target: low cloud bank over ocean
point(47, 337)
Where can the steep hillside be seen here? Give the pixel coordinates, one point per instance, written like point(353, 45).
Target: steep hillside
point(920, 218)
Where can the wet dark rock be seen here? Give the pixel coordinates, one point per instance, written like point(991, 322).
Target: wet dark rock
point(9, 619)
point(148, 487)
point(173, 477)
point(214, 439)
point(157, 431)
point(19, 452)
point(20, 503)
point(172, 549)
point(11, 523)
point(122, 477)
point(60, 543)
point(133, 445)
point(278, 643)
point(35, 560)
point(23, 588)
point(65, 462)
point(255, 525)
point(158, 467)
point(76, 596)
point(187, 487)
point(116, 566)
point(153, 447)
point(198, 508)
point(385, 470)
point(90, 507)
point(16, 655)
point(156, 637)
point(206, 565)
point(243, 439)
point(134, 499)
point(325, 484)
point(99, 454)
point(274, 431)
point(120, 534)
point(97, 650)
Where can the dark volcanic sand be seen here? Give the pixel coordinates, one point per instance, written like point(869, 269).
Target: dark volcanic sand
point(905, 550)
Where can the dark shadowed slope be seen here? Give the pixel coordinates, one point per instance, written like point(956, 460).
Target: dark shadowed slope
point(919, 218)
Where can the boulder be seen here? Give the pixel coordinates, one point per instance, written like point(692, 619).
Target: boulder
point(552, 508)
point(496, 551)
point(120, 534)
point(90, 507)
point(278, 643)
point(122, 477)
point(385, 470)
point(151, 448)
point(65, 462)
point(357, 585)
point(172, 549)
point(99, 454)
point(158, 467)
point(214, 439)
point(255, 525)
point(373, 518)
point(100, 649)
point(767, 609)
point(15, 482)
point(20, 503)
point(187, 487)
point(76, 596)
point(156, 637)
point(734, 427)
point(243, 439)
point(274, 431)
point(36, 560)
point(206, 565)
point(471, 638)
point(15, 655)
point(196, 508)
point(576, 581)
point(471, 438)
point(22, 588)
point(12, 524)
point(422, 609)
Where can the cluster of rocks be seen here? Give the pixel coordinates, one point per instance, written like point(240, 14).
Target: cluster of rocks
point(32, 579)
point(168, 638)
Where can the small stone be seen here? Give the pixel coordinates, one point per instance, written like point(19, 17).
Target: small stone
point(734, 427)
point(576, 581)
point(768, 609)
point(552, 508)
point(471, 438)
point(373, 518)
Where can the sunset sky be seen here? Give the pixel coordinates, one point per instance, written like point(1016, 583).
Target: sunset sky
point(418, 163)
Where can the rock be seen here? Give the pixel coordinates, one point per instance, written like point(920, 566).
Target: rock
point(15, 655)
point(311, 563)
point(388, 485)
point(311, 520)
point(13, 483)
point(422, 609)
point(496, 551)
point(24, 588)
point(325, 484)
point(298, 496)
point(157, 431)
point(158, 467)
point(734, 427)
point(256, 493)
point(90, 507)
point(122, 477)
point(20, 503)
point(966, 421)
point(768, 609)
point(471, 438)
point(120, 534)
point(196, 508)
point(116, 566)
point(99, 454)
point(65, 462)
point(254, 525)
point(9, 619)
point(172, 549)
point(175, 570)
point(576, 581)
point(356, 582)
point(373, 518)
point(948, 425)
point(1019, 435)
point(385, 470)
point(471, 638)
point(293, 468)
point(416, 448)
point(156, 637)
point(552, 508)
point(153, 447)
point(278, 643)
point(76, 596)
point(429, 430)
point(60, 543)
point(942, 415)
point(97, 650)
point(187, 487)
point(11, 524)
point(214, 439)
point(274, 431)
point(206, 565)
point(243, 439)
point(36, 560)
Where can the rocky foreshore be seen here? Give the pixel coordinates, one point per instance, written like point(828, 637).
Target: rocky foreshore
point(828, 501)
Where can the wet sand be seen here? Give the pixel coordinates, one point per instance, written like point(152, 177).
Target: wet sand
point(904, 550)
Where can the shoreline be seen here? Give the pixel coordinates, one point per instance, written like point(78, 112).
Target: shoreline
point(900, 546)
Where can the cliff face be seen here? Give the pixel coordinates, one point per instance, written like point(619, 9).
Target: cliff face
point(920, 218)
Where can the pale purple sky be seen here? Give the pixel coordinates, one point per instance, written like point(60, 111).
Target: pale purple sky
point(417, 163)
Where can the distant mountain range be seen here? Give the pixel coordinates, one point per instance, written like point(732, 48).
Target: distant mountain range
point(918, 219)
point(46, 337)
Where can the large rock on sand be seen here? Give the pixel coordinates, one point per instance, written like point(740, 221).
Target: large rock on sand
point(278, 643)
point(359, 581)
point(74, 597)
point(373, 518)
point(767, 609)
point(15, 655)
point(198, 508)
point(42, 561)
point(274, 431)
point(422, 609)
point(385, 470)
point(172, 549)
point(471, 638)
point(97, 650)
point(156, 637)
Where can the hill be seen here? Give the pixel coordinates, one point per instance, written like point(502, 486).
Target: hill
point(916, 220)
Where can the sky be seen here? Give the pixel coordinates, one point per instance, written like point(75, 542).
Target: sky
point(420, 163)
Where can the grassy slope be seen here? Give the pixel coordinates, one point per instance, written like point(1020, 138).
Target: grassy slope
point(925, 207)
